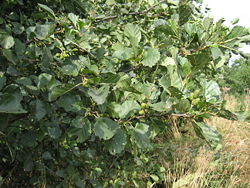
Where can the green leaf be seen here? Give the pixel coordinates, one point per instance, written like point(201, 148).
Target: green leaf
point(216, 53)
point(126, 108)
point(10, 101)
point(18, 28)
point(211, 90)
point(10, 56)
point(124, 54)
point(43, 80)
point(165, 82)
point(207, 132)
point(24, 81)
point(199, 60)
point(235, 21)
point(70, 69)
point(168, 62)
point(2, 81)
point(7, 42)
point(105, 128)
point(49, 10)
point(117, 144)
point(133, 32)
point(237, 31)
point(185, 11)
point(99, 95)
point(142, 140)
point(54, 132)
point(41, 109)
point(60, 90)
point(73, 18)
point(151, 57)
point(82, 129)
point(44, 31)
point(70, 103)
point(182, 106)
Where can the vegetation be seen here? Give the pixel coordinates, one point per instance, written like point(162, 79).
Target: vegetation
point(237, 76)
point(89, 88)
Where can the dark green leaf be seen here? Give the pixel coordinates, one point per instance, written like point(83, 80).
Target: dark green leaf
point(60, 90)
point(10, 102)
point(118, 142)
point(70, 103)
point(49, 10)
point(212, 136)
point(41, 109)
point(82, 129)
point(54, 132)
point(105, 128)
point(142, 140)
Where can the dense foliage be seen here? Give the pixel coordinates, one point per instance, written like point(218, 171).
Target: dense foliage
point(87, 85)
point(237, 76)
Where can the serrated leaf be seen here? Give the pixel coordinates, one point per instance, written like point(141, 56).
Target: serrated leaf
point(126, 108)
point(49, 10)
point(133, 32)
point(151, 57)
point(211, 135)
point(105, 128)
point(117, 144)
point(99, 95)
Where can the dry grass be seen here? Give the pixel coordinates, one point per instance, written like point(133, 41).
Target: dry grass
point(229, 168)
point(236, 139)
